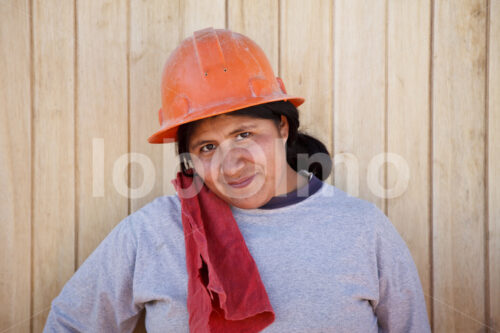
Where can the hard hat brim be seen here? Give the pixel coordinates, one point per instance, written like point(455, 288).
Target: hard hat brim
point(168, 133)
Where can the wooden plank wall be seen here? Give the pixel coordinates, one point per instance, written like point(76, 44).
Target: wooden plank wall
point(458, 150)
point(408, 127)
point(53, 173)
point(492, 245)
point(15, 166)
point(80, 92)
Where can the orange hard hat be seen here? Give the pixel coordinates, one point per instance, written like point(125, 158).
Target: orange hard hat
point(214, 72)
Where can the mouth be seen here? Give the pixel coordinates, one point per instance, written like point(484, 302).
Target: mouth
point(242, 182)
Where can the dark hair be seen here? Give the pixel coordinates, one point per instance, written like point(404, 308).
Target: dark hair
point(300, 147)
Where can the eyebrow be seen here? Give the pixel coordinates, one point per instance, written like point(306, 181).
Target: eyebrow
point(241, 128)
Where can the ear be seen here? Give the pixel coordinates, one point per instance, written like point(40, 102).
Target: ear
point(283, 128)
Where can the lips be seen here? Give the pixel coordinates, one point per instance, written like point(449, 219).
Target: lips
point(242, 182)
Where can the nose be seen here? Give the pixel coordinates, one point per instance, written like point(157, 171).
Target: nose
point(232, 163)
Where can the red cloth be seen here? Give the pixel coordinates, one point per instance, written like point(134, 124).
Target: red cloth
point(225, 292)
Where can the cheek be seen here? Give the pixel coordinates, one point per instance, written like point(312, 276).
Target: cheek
point(202, 167)
point(268, 153)
point(209, 170)
point(256, 155)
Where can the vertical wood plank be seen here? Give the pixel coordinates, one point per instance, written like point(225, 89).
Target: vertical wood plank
point(458, 165)
point(359, 88)
point(15, 166)
point(259, 21)
point(101, 113)
point(408, 128)
point(494, 165)
point(306, 49)
point(200, 14)
point(53, 172)
point(155, 33)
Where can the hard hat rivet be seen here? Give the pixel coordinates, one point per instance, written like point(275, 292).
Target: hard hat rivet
point(225, 69)
point(206, 74)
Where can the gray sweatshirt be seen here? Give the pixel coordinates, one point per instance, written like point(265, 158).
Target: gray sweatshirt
point(329, 263)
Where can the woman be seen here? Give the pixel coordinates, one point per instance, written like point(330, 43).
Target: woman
point(252, 241)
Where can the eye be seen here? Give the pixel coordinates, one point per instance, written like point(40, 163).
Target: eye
point(207, 148)
point(244, 135)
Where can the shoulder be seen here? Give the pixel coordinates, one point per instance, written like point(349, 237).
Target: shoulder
point(365, 218)
point(359, 215)
point(163, 207)
point(162, 214)
point(340, 204)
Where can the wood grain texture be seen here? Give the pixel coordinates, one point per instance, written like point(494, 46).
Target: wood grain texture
point(15, 166)
point(458, 165)
point(408, 128)
point(101, 113)
point(494, 166)
point(359, 103)
point(54, 143)
point(154, 34)
point(200, 14)
point(306, 49)
point(257, 19)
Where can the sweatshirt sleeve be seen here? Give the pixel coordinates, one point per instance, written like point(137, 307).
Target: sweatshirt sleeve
point(99, 296)
point(401, 304)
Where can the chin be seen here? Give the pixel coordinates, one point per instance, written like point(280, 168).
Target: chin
point(251, 198)
point(244, 206)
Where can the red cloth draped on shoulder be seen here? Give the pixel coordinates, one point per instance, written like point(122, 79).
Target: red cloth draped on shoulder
point(225, 291)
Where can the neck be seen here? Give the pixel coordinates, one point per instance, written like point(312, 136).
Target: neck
point(292, 181)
